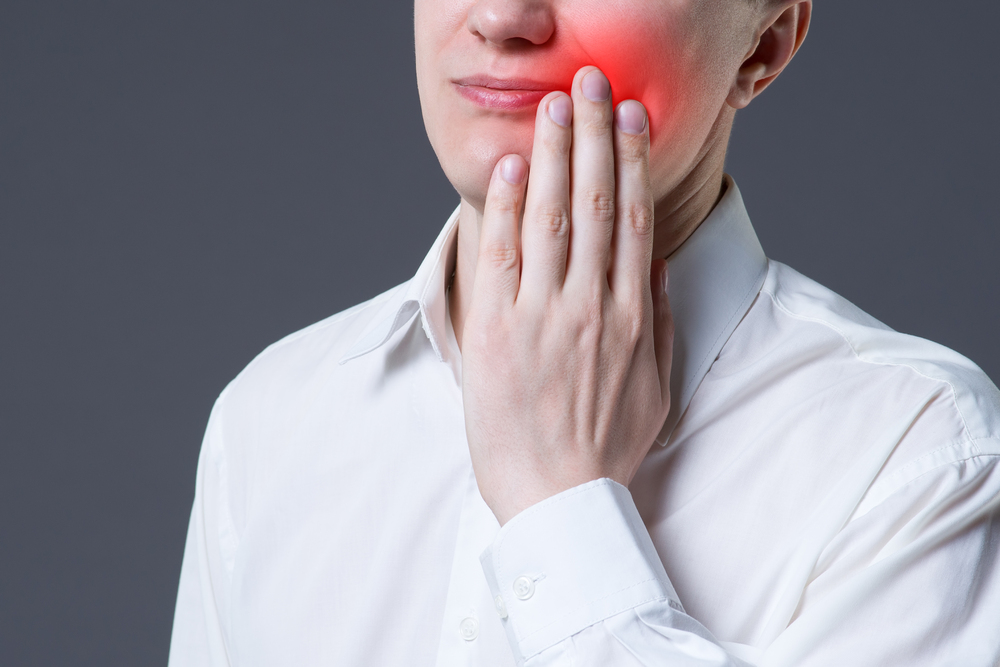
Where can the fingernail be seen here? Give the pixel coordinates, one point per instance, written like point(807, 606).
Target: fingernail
point(596, 87)
point(512, 169)
point(664, 278)
point(561, 110)
point(631, 117)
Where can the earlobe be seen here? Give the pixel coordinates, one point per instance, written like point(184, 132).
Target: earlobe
point(778, 42)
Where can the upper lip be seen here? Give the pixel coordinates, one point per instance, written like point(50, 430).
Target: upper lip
point(486, 81)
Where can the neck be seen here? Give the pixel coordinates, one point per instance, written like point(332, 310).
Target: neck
point(678, 214)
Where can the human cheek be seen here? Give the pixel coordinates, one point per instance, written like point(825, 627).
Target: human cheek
point(643, 61)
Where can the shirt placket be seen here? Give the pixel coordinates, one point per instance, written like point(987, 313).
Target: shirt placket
point(471, 631)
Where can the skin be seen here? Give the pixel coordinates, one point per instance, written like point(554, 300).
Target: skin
point(559, 296)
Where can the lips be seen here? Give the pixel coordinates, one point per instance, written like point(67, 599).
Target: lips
point(511, 94)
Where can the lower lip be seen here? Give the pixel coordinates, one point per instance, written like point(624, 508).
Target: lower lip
point(504, 100)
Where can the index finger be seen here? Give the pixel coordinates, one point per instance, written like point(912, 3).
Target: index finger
point(498, 263)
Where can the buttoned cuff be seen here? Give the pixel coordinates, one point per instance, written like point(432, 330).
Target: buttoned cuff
point(571, 561)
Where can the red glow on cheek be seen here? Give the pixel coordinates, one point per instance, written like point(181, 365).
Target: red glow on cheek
point(636, 57)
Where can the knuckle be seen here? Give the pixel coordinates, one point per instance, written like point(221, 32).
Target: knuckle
point(483, 338)
point(637, 322)
point(639, 218)
point(598, 122)
point(487, 336)
point(553, 219)
point(633, 150)
point(590, 312)
point(556, 142)
point(505, 203)
point(600, 203)
point(500, 254)
point(633, 317)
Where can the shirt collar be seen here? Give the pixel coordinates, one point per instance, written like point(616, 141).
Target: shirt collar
point(424, 293)
point(714, 278)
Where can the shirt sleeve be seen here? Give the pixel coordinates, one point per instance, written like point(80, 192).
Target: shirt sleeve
point(914, 581)
point(577, 581)
point(198, 638)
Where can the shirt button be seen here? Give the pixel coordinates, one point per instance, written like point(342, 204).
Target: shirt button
point(469, 627)
point(501, 607)
point(524, 588)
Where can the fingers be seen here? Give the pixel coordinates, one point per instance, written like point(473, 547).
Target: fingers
point(588, 209)
point(632, 245)
point(663, 328)
point(498, 263)
point(593, 182)
point(545, 231)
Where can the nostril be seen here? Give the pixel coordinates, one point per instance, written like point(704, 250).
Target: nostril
point(511, 24)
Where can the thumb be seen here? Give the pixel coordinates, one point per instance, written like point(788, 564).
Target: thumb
point(663, 327)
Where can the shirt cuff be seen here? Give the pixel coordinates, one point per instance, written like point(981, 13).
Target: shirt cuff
point(571, 561)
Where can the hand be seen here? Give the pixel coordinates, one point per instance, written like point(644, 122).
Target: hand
point(567, 345)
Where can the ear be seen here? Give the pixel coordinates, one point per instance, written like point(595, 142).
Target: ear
point(783, 31)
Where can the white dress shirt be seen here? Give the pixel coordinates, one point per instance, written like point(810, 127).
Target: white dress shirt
point(825, 492)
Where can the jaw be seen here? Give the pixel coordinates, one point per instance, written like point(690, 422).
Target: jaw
point(684, 198)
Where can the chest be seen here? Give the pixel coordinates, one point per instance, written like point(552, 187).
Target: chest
point(363, 534)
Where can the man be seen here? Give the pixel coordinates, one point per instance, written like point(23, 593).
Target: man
point(528, 455)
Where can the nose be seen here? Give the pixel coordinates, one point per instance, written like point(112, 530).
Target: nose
point(504, 22)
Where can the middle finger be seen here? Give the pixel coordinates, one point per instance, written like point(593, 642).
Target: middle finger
point(593, 179)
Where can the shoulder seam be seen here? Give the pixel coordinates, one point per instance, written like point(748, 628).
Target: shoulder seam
point(829, 325)
point(972, 450)
point(905, 482)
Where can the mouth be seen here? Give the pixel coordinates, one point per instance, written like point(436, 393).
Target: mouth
point(503, 94)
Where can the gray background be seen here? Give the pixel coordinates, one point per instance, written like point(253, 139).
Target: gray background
point(183, 183)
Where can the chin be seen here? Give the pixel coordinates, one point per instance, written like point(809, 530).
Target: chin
point(468, 157)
